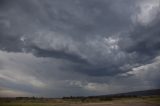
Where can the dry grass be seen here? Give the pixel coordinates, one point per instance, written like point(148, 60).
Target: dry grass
point(140, 101)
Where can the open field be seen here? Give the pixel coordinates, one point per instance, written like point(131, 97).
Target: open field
point(134, 101)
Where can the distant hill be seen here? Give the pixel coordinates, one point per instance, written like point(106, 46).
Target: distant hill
point(141, 93)
point(133, 94)
point(152, 92)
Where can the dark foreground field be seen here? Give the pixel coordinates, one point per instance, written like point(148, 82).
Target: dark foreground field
point(133, 101)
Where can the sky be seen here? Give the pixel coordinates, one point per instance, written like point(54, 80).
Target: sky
point(56, 48)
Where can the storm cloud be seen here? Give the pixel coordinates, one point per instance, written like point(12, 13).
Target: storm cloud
point(61, 48)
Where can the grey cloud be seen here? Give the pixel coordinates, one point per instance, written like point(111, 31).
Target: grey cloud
point(144, 41)
point(82, 20)
point(58, 54)
point(90, 40)
point(65, 14)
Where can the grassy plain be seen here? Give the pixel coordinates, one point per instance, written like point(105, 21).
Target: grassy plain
point(134, 101)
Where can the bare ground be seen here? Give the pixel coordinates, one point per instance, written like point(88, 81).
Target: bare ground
point(107, 104)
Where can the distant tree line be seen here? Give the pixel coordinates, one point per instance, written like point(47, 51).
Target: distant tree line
point(98, 98)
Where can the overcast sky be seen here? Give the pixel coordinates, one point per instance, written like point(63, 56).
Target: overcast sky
point(56, 48)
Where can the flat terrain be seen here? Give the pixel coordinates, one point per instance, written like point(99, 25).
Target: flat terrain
point(137, 101)
point(105, 104)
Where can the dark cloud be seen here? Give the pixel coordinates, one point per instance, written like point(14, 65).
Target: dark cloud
point(82, 43)
point(144, 40)
point(13, 43)
point(58, 54)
